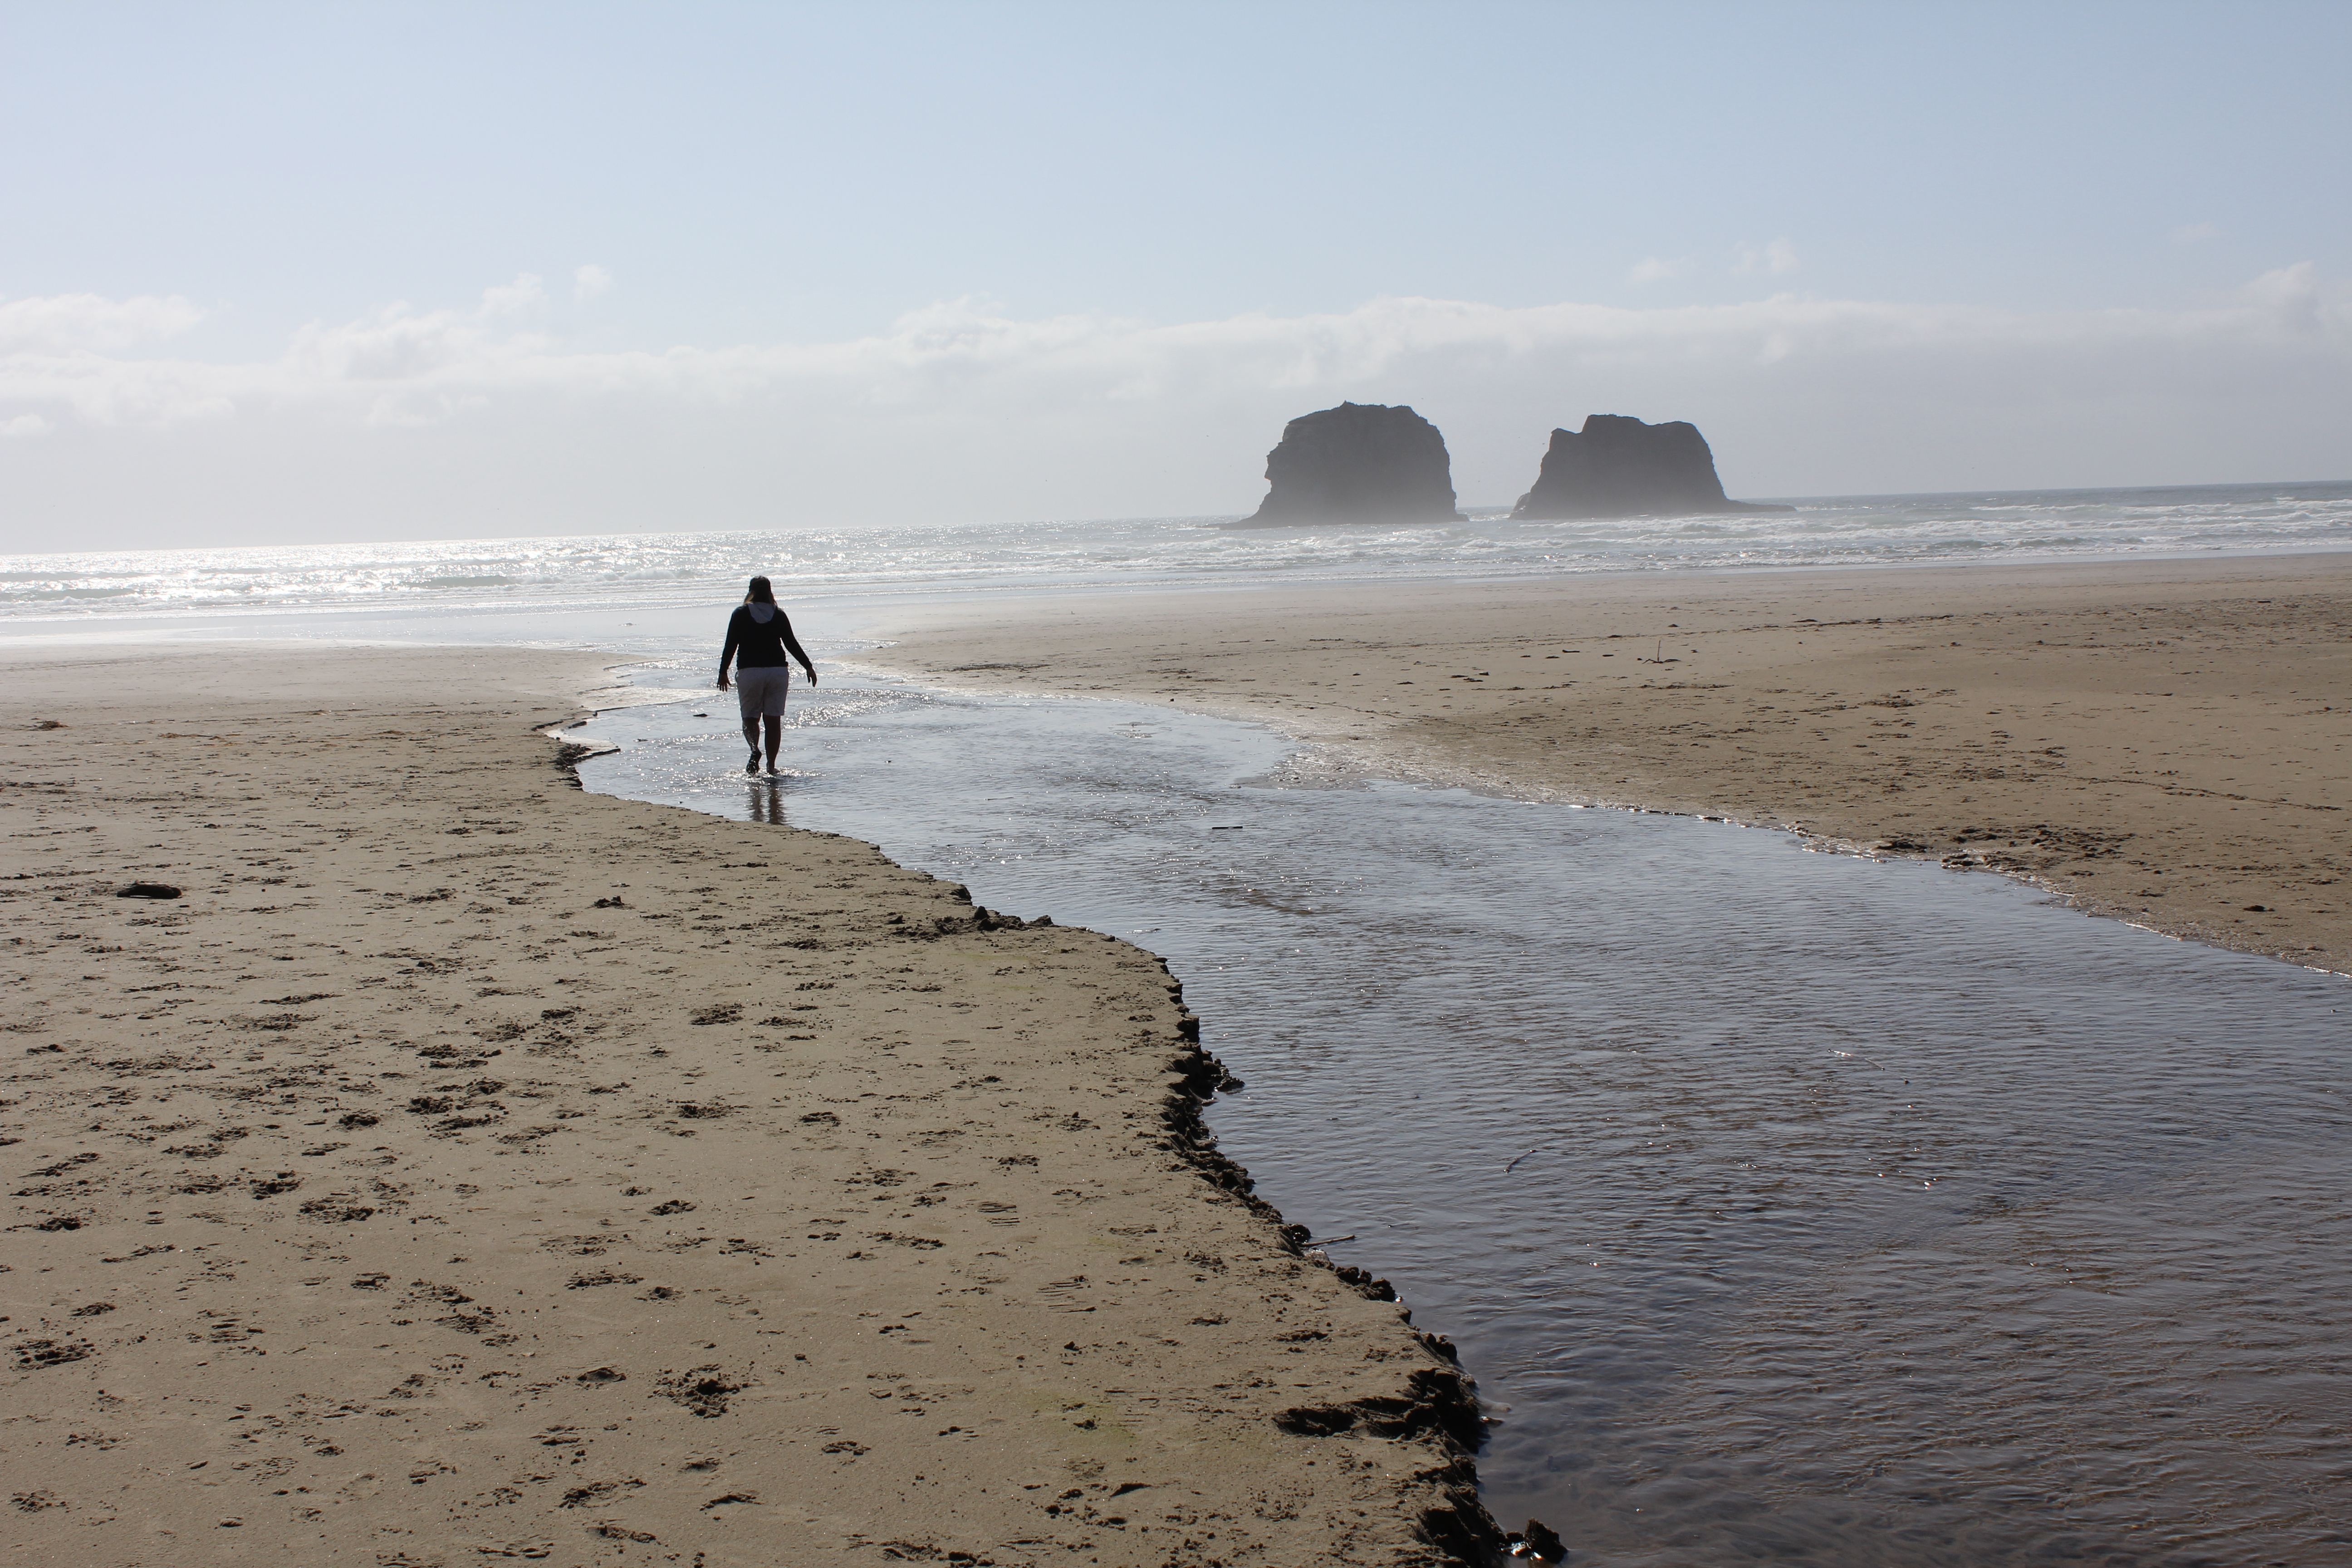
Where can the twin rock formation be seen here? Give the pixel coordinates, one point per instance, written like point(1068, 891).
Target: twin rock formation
point(1370, 463)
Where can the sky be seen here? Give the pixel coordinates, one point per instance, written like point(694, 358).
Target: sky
point(341, 271)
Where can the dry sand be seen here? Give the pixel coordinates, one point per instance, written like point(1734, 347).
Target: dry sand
point(2164, 742)
point(470, 1168)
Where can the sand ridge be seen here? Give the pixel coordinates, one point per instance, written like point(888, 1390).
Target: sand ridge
point(2169, 743)
point(469, 1168)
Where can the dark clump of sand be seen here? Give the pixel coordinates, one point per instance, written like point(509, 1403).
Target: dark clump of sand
point(464, 1167)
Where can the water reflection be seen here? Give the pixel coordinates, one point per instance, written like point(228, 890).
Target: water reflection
point(1794, 1206)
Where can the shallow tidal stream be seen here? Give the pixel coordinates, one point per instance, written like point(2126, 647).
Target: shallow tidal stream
point(1787, 1206)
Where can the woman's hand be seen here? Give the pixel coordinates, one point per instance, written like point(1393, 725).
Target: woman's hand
point(812, 673)
point(722, 680)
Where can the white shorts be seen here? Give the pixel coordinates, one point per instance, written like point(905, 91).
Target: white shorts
point(761, 691)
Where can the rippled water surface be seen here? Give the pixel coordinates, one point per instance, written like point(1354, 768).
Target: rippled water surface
point(363, 590)
point(1789, 1208)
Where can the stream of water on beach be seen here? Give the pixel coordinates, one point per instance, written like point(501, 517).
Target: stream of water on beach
point(1786, 1205)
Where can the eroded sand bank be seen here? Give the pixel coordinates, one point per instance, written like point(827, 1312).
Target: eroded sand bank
point(467, 1168)
point(2166, 742)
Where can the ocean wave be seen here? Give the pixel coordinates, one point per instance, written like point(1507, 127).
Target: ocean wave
point(660, 568)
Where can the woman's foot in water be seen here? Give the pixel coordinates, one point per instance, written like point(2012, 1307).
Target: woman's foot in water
point(751, 763)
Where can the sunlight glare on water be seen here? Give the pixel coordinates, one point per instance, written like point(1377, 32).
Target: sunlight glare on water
point(347, 590)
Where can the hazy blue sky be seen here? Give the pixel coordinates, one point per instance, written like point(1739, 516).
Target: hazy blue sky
point(776, 263)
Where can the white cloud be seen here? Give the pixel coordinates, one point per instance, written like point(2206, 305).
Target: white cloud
point(526, 292)
point(2196, 233)
point(589, 281)
point(946, 353)
point(2293, 298)
point(1749, 260)
point(455, 421)
point(23, 427)
point(90, 323)
point(1650, 268)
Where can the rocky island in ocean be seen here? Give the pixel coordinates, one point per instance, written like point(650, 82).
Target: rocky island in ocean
point(1360, 462)
point(1617, 467)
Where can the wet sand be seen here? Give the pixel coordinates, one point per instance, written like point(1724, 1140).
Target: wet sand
point(466, 1168)
point(2169, 743)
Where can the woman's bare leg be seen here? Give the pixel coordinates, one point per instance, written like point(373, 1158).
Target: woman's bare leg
point(775, 738)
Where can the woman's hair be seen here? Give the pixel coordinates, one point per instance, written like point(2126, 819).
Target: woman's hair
point(761, 593)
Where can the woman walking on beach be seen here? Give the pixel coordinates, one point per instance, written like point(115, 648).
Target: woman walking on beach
point(760, 642)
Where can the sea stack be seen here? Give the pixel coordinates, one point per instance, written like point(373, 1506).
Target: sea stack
point(1360, 462)
point(1617, 467)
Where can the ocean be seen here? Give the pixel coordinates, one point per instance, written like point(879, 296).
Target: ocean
point(559, 589)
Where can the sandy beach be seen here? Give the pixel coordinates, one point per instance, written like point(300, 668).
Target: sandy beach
point(2162, 742)
point(465, 1167)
